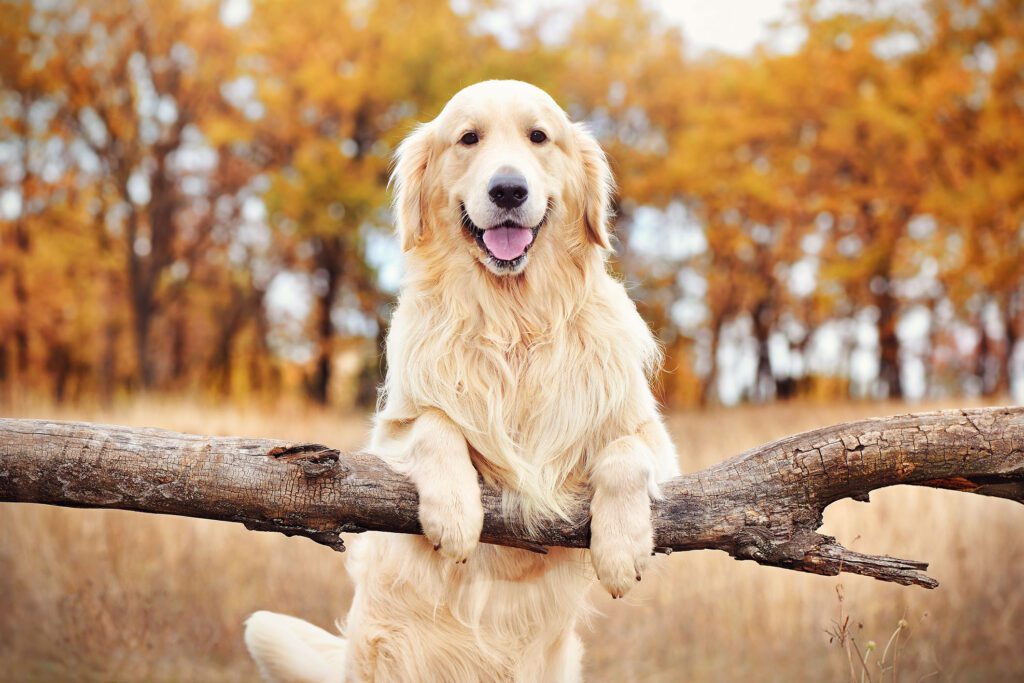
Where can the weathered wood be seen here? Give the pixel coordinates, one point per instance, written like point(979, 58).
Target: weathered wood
point(764, 505)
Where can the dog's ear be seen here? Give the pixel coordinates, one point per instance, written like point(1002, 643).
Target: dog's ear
point(598, 185)
point(408, 179)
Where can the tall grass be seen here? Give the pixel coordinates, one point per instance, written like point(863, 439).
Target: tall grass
point(119, 596)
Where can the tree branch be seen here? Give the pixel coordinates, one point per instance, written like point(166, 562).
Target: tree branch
point(764, 505)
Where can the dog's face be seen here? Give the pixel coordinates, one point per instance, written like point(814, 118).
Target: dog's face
point(496, 173)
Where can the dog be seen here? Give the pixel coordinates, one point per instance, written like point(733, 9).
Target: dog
point(516, 357)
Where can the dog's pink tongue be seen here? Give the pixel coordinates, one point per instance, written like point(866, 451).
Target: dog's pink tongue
point(508, 243)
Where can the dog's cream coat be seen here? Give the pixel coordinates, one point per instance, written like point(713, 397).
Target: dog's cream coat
point(534, 376)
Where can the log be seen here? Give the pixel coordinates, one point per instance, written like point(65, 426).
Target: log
point(764, 505)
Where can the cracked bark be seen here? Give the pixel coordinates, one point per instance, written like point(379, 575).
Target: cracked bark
point(763, 505)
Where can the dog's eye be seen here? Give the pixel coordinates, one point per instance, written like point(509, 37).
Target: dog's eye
point(470, 138)
point(537, 137)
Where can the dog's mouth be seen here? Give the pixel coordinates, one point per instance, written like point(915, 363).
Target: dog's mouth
point(507, 243)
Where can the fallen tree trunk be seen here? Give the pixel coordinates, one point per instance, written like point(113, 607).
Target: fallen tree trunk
point(764, 505)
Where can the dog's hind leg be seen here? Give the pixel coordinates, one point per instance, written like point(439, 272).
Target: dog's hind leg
point(290, 650)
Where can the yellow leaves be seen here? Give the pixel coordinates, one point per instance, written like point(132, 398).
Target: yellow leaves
point(222, 129)
point(306, 101)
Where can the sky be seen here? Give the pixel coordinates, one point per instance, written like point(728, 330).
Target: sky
point(733, 26)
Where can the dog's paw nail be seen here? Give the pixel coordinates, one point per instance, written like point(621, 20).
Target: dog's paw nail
point(437, 546)
point(638, 577)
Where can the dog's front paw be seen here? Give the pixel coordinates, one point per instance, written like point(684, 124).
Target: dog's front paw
point(452, 521)
point(621, 548)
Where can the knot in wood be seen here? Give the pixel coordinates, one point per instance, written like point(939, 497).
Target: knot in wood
point(314, 459)
point(755, 543)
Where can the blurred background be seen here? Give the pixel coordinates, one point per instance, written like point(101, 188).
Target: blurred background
point(194, 198)
point(820, 213)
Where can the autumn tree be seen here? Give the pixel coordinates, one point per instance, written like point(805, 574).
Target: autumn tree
point(335, 103)
point(623, 71)
point(164, 165)
point(971, 66)
point(131, 87)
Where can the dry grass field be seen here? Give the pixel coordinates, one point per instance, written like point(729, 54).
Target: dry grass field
point(117, 596)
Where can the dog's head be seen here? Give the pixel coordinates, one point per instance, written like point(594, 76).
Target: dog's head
point(498, 173)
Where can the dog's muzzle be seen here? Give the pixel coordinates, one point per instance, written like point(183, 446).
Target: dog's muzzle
point(505, 243)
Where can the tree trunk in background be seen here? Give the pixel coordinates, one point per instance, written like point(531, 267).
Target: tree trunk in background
point(372, 374)
point(108, 361)
point(1006, 365)
point(179, 347)
point(145, 266)
point(1015, 333)
point(231, 321)
point(328, 260)
point(797, 385)
point(1009, 311)
point(59, 363)
point(22, 245)
point(889, 344)
point(988, 365)
point(107, 370)
point(764, 382)
point(142, 321)
point(140, 298)
point(708, 388)
point(5, 393)
point(262, 373)
point(221, 366)
point(22, 248)
point(983, 362)
point(20, 334)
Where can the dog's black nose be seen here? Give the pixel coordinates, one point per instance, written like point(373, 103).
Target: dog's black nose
point(507, 190)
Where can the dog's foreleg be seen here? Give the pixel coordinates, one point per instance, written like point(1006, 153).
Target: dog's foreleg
point(622, 479)
point(438, 462)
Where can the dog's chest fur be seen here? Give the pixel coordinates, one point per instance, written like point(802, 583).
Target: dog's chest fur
point(534, 394)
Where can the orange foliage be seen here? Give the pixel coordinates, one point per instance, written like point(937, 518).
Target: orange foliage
point(163, 170)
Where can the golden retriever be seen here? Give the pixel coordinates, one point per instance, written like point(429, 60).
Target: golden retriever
point(513, 355)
